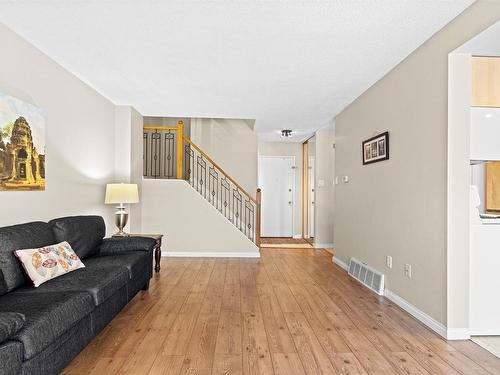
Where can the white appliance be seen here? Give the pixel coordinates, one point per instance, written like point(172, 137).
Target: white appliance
point(484, 270)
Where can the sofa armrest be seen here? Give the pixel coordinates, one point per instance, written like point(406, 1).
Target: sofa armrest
point(118, 245)
point(10, 324)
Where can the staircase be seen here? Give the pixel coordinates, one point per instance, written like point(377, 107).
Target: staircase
point(169, 154)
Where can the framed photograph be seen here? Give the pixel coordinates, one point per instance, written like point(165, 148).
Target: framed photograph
point(22, 145)
point(376, 148)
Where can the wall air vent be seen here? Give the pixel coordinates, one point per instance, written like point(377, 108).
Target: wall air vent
point(367, 276)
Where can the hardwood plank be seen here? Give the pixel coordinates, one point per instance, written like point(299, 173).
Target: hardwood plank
point(279, 337)
point(462, 363)
point(228, 364)
point(371, 359)
point(256, 355)
point(287, 364)
point(107, 366)
point(167, 365)
point(406, 364)
point(201, 349)
point(229, 333)
point(348, 364)
point(312, 355)
point(482, 357)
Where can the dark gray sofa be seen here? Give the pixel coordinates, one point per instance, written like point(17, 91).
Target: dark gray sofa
point(42, 329)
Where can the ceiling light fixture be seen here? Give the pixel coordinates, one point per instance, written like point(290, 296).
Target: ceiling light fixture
point(286, 133)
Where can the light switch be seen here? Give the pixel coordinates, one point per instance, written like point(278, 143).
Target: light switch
point(345, 179)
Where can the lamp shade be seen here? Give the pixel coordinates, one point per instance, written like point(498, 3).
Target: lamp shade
point(121, 193)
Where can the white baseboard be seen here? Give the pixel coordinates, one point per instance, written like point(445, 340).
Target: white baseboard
point(297, 236)
point(458, 334)
point(323, 245)
point(484, 332)
point(439, 328)
point(210, 254)
point(429, 321)
point(340, 263)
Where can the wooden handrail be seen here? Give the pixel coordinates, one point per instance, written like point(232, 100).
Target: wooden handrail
point(160, 127)
point(219, 168)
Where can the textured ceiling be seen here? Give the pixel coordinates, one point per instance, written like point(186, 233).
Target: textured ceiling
point(287, 64)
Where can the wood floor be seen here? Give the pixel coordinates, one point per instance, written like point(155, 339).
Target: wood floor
point(490, 343)
point(289, 312)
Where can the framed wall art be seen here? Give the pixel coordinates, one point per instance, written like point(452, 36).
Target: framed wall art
point(22, 145)
point(376, 148)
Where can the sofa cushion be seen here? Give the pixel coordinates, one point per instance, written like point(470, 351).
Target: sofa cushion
point(84, 233)
point(48, 316)
point(118, 245)
point(10, 324)
point(100, 282)
point(49, 262)
point(15, 237)
point(135, 262)
point(11, 358)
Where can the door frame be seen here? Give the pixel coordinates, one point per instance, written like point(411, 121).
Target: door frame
point(305, 188)
point(294, 167)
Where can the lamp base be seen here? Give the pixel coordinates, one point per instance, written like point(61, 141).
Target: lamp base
point(121, 219)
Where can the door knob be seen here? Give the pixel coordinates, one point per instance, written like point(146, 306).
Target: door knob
point(289, 202)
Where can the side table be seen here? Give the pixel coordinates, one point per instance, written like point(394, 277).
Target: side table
point(158, 238)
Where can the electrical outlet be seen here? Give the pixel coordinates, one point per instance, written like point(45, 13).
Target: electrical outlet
point(408, 270)
point(388, 261)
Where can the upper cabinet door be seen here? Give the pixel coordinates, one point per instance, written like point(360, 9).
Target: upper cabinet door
point(485, 82)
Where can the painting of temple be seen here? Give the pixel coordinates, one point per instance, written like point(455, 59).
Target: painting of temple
point(22, 145)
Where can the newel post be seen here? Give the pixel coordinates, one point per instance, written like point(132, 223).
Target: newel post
point(257, 219)
point(179, 149)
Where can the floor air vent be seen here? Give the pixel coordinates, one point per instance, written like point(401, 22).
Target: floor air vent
point(367, 276)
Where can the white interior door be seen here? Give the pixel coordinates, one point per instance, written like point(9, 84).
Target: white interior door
point(276, 177)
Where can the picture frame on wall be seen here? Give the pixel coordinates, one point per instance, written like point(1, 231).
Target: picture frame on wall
point(22, 145)
point(376, 148)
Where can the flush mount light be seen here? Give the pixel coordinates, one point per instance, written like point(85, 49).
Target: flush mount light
point(286, 133)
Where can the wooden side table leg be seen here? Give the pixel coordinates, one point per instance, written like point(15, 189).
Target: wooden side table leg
point(157, 257)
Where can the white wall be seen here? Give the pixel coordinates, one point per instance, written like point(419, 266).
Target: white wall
point(232, 144)
point(324, 189)
point(191, 225)
point(400, 205)
point(295, 150)
point(80, 136)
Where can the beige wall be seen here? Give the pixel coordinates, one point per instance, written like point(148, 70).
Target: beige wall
point(324, 188)
point(399, 205)
point(128, 156)
point(231, 143)
point(79, 136)
point(295, 150)
point(191, 224)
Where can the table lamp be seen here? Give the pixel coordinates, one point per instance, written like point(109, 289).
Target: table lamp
point(121, 194)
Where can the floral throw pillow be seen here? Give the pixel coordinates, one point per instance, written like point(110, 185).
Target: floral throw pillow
point(48, 262)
